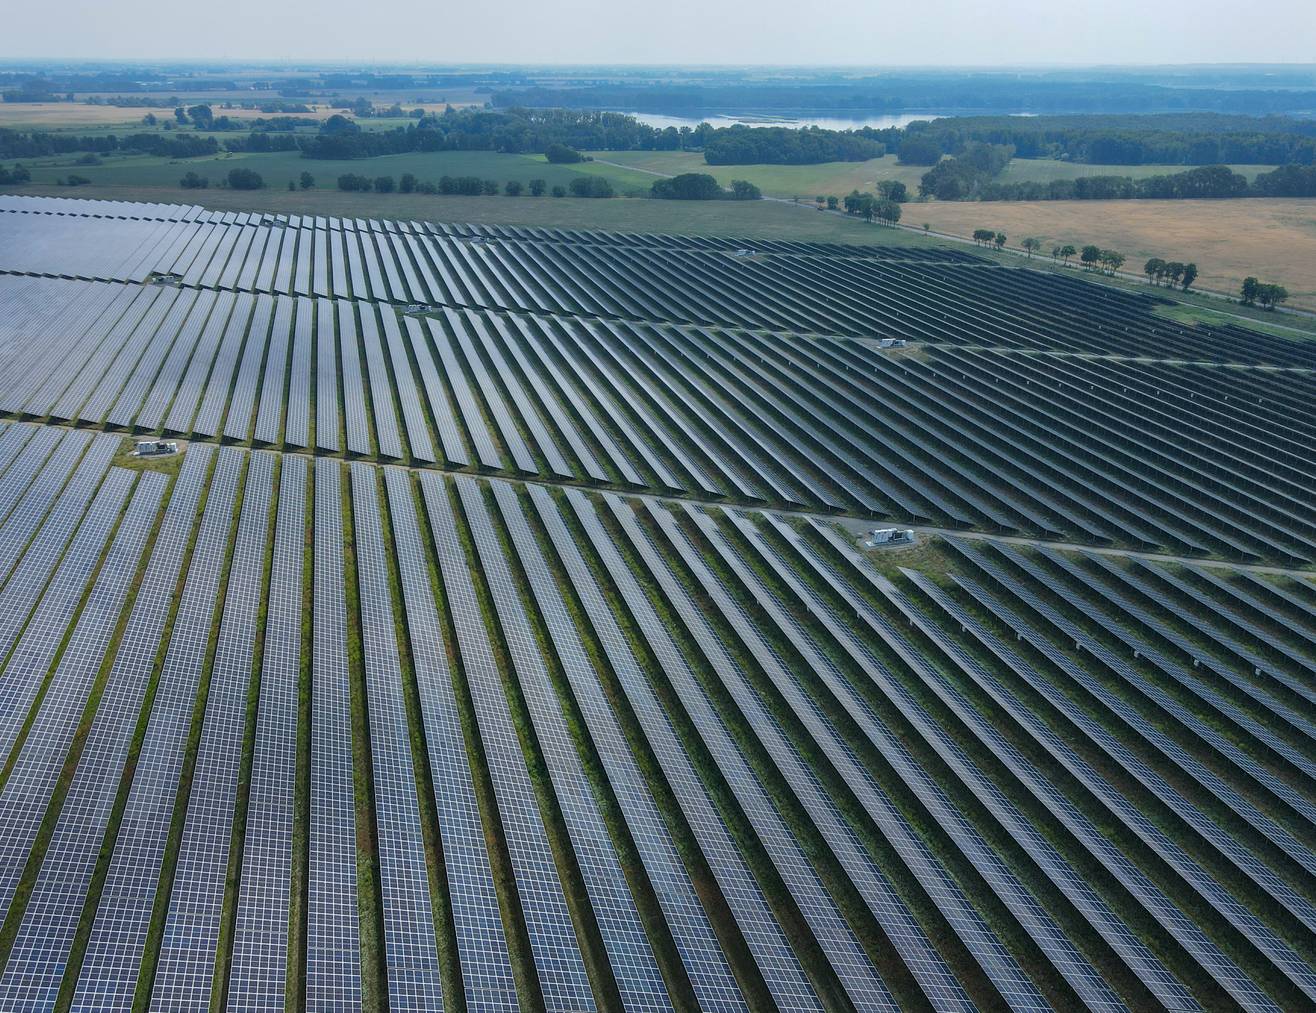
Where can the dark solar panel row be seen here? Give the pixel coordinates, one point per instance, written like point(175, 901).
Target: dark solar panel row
point(409, 935)
point(258, 965)
point(112, 960)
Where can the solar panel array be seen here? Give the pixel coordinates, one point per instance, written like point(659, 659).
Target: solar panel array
point(956, 437)
point(587, 749)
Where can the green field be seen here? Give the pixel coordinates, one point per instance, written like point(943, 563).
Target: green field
point(840, 178)
point(750, 219)
point(148, 171)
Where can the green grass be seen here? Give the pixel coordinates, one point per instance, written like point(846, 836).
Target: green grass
point(1196, 314)
point(277, 168)
point(840, 178)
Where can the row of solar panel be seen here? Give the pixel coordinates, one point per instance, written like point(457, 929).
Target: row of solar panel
point(942, 300)
point(964, 438)
point(762, 726)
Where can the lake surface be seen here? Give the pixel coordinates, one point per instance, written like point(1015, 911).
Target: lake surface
point(836, 122)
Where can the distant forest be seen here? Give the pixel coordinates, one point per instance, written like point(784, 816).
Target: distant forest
point(961, 92)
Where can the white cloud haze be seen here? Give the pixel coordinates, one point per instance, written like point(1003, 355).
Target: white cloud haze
point(856, 32)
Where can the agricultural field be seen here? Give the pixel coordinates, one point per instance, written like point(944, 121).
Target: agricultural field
point(839, 178)
point(1273, 239)
point(752, 219)
point(277, 168)
point(508, 633)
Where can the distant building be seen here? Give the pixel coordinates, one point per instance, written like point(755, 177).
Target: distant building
point(155, 448)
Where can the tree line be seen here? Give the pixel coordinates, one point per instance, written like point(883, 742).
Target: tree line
point(1163, 139)
point(465, 186)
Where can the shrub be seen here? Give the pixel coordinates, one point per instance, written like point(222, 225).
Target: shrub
point(562, 154)
point(245, 179)
point(384, 184)
point(559, 191)
point(591, 186)
point(191, 181)
point(688, 186)
point(353, 182)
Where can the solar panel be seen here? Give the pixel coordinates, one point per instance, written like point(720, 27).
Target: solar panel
point(381, 389)
point(409, 942)
point(274, 381)
point(185, 966)
point(36, 769)
point(772, 953)
point(112, 960)
point(561, 969)
point(705, 964)
point(481, 946)
point(333, 946)
point(327, 401)
point(22, 678)
point(354, 395)
point(258, 964)
point(298, 425)
point(633, 965)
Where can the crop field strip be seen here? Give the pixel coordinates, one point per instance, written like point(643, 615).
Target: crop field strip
point(633, 753)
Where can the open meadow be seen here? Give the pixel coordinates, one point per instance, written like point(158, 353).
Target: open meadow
point(1274, 239)
point(839, 178)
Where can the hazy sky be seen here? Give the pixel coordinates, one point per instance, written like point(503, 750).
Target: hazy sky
point(866, 32)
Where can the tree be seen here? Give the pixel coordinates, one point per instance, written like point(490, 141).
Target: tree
point(1066, 252)
point(489, 188)
point(407, 184)
point(537, 187)
point(1031, 246)
point(591, 186)
point(820, 200)
point(362, 108)
point(149, 120)
point(384, 184)
point(893, 189)
point(245, 179)
point(743, 189)
point(292, 185)
point(832, 202)
point(984, 236)
point(562, 154)
point(1269, 295)
point(887, 211)
point(999, 239)
point(1112, 259)
point(1189, 275)
point(353, 182)
point(1090, 256)
point(191, 181)
point(180, 114)
point(1250, 290)
point(513, 188)
point(1174, 271)
point(559, 191)
point(202, 116)
point(1154, 269)
point(307, 181)
point(687, 186)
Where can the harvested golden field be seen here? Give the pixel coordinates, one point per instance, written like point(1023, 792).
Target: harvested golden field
point(1274, 239)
